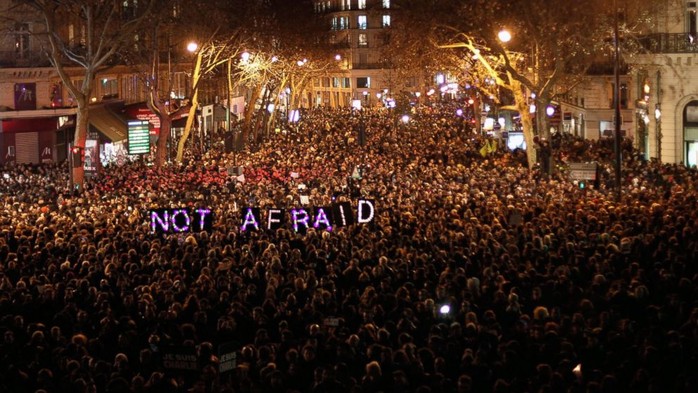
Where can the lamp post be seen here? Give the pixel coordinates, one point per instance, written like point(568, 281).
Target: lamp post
point(616, 93)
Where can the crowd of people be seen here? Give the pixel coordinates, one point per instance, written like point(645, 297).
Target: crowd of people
point(477, 275)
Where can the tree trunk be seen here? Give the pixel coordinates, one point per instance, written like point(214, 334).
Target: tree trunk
point(163, 138)
point(521, 100)
point(188, 126)
point(542, 117)
point(249, 112)
point(81, 126)
point(194, 105)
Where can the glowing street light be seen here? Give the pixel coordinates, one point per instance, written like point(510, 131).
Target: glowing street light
point(504, 35)
point(245, 56)
point(192, 47)
point(550, 110)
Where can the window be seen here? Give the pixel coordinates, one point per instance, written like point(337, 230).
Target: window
point(83, 35)
point(176, 11)
point(386, 4)
point(361, 4)
point(22, 40)
point(335, 82)
point(691, 21)
point(343, 23)
point(363, 40)
point(110, 88)
point(346, 5)
point(386, 21)
point(363, 22)
point(334, 23)
point(623, 95)
point(129, 9)
point(363, 83)
point(346, 83)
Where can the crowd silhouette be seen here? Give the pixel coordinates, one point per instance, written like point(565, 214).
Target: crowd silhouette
point(549, 287)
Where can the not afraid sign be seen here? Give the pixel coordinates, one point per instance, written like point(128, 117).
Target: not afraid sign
point(323, 217)
point(341, 214)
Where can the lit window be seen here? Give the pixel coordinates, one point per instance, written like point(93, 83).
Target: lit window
point(362, 4)
point(386, 4)
point(110, 88)
point(363, 22)
point(386, 20)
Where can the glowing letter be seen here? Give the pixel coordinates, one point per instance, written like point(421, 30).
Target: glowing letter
point(295, 213)
point(202, 217)
point(187, 221)
point(156, 219)
point(322, 219)
point(342, 214)
point(366, 210)
point(250, 219)
point(273, 217)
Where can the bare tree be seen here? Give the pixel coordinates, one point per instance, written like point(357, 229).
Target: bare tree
point(101, 29)
point(553, 44)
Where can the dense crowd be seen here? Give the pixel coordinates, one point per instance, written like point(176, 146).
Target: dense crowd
point(550, 287)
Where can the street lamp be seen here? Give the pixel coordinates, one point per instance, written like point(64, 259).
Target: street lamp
point(616, 95)
point(504, 35)
point(192, 47)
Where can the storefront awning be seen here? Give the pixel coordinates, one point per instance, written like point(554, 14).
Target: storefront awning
point(108, 123)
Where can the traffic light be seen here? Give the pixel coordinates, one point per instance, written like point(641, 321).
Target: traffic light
point(76, 152)
point(582, 184)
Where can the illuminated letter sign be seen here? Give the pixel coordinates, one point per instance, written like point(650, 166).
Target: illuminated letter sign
point(180, 220)
point(204, 217)
point(300, 216)
point(342, 214)
point(366, 211)
point(250, 218)
point(159, 216)
point(275, 219)
point(322, 220)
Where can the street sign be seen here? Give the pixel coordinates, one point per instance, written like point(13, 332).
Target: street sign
point(138, 137)
point(583, 170)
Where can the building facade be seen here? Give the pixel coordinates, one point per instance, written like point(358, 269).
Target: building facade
point(667, 72)
point(358, 29)
point(36, 110)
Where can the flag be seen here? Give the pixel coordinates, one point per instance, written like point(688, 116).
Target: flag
point(484, 150)
point(492, 147)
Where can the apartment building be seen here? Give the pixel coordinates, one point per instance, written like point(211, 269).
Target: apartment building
point(358, 29)
point(667, 73)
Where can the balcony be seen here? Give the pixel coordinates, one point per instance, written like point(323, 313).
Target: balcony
point(669, 43)
point(367, 66)
point(10, 59)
